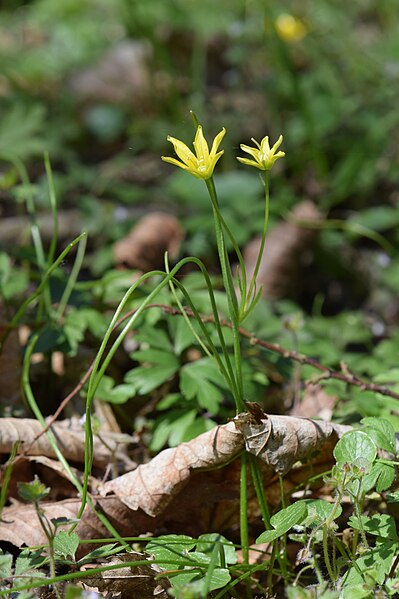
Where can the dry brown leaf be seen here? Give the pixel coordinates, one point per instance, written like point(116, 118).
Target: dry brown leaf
point(145, 246)
point(194, 488)
point(51, 473)
point(20, 525)
point(130, 581)
point(281, 441)
point(70, 440)
point(285, 246)
point(152, 486)
point(315, 403)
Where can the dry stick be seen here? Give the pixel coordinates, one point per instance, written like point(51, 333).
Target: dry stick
point(344, 376)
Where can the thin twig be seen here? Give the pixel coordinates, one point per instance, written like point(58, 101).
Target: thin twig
point(344, 376)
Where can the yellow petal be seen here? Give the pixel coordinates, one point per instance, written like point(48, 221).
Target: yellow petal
point(264, 145)
point(250, 163)
point(175, 162)
point(183, 151)
point(252, 151)
point(217, 141)
point(201, 145)
point(277, 144)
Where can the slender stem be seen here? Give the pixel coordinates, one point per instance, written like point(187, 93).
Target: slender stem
point(244, 538)
point(53, 204)
point(223, 258)
point(72, 277)
point(326, 556)
point(260, 492)
point(231, 295)
point(98, 372)
point(49, 532)
point(226, 366)
point(242, 269)
point(252, 285)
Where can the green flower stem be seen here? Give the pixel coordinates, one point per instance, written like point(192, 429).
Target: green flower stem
point(211, 351)
point(244, 537)
point(49, 533)
point(330, 571)
point(72, 277)
point(224, 261)
point(252, 285)
point(260, 492)
point(231, 294)
point(242, 273)
point(98, 372)
point(225, 367)
point(53, 205)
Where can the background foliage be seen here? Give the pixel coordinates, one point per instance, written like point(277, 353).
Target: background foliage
point(97, 86)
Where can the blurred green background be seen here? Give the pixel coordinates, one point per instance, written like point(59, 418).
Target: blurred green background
point(100, 84)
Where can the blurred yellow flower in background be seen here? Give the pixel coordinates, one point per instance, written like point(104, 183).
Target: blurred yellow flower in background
point(289, 28)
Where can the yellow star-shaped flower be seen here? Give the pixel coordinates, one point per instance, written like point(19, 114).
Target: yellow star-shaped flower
point(263, 156)
point(202, 163)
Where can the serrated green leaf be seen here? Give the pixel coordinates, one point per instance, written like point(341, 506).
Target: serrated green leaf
point(393, 497)
point(193, 585)
point(20, 131)
point(100, 552)
point(154, 337)
point(181, 334)
point(5, 565)
point(319, 510)
point(355, 448)
point(77, 322)
point(201, 380)
point(381, 477)
point(356, 591)
point(284, 520)
point(29, 560)
point(374, 566)
point(171, 550)
point(115, 394)
point(380, 525)
point(382, 433)
point(161, 366)
point(175, 427)
point(170, 400)
point(66, 544)
point(206, 543)
point(34, 491)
